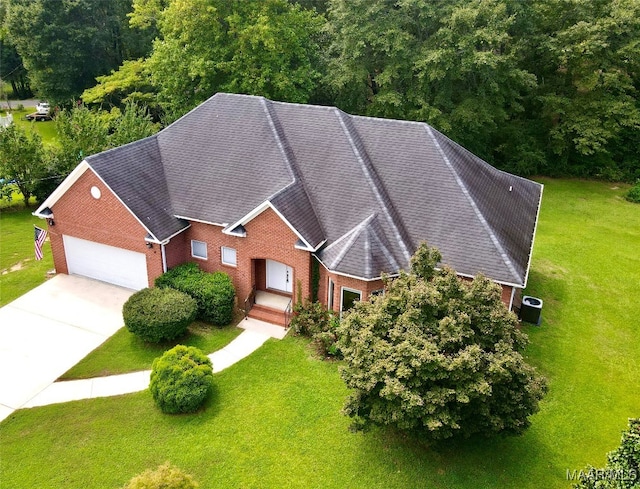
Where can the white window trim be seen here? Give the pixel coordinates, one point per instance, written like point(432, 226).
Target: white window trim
point(206, 251)
point(331, 290)
point(342, 289)
point(222, 248)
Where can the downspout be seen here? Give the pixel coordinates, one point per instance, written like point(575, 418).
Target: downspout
point(164, 258)
point(513, 294)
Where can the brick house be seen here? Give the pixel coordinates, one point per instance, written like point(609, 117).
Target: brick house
point(281, 196)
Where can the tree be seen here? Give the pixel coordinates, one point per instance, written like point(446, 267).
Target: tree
point(452, 64)
point(21, 159)
point(439, 357)
point(587, 56)
point(65, 44)
point(622, 470)
point(267, 48)
point(83, 132)
point(130, 83)
point(132, 124)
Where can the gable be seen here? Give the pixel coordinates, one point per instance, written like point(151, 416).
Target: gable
point(105, 219)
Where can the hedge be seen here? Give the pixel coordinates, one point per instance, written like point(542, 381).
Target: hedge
point(213, 292)
point(157, 315)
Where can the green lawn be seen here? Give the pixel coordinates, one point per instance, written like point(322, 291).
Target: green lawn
point(125, 352)
point(19, 270)
point(275, 420)
point(46, 129)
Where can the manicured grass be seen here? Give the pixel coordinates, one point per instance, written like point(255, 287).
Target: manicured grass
point(46, 129)
point(125, 352)
point(19, 270)
point(275, 420)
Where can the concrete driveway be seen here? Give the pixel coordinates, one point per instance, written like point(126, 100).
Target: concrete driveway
point(51, 328)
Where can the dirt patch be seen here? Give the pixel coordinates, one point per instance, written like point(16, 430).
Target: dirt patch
point(16, 267)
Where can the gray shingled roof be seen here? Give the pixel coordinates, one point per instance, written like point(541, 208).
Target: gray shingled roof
point(369, 190)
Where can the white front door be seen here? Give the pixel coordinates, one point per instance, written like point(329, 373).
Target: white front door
point(279, 276)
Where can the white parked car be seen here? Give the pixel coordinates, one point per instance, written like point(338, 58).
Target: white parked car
point(43, 108)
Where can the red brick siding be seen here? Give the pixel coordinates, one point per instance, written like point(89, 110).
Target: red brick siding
point(104, 220)
point(268, 237)
point(340, 281)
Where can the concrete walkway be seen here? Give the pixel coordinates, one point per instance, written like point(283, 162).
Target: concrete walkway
point(49, 329)
point(255, 334)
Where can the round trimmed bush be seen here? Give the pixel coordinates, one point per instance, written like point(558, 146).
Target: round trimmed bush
point(166, 476)
point(181, 379)
point(157, 315)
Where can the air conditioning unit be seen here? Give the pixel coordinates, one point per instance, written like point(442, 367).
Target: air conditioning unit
point(531, 310)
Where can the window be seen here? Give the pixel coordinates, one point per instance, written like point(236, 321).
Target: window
point(373, 293)
point(348, 298)
point(330, 289)
point(229, 256)
point(199, 249)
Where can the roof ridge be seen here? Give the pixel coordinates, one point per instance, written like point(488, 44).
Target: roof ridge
point(494, 239)
point(350, 236)
point(287, 154)
point(380, 192)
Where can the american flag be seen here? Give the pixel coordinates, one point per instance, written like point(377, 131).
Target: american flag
point(40, 236)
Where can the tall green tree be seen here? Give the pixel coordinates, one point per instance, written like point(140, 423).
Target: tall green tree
point(22, 160)
point(452, 64)
point(65, 44)
point(262, 47)
point(587, 58)
point(438, 356)
point(11, 67)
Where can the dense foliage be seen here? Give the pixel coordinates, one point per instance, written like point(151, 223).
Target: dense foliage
point(439, 357)
point(181, 379)
point(312, 319)
point(165, 476)
point(633, 195)
point(157, 315)
point(65, 44)
point(623, 465)
point(214, 292)
point(546, 87)
point(22, 160)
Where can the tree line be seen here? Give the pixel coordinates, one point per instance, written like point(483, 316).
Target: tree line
point(546, 87)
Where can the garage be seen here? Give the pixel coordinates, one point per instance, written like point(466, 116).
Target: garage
point(106, 263)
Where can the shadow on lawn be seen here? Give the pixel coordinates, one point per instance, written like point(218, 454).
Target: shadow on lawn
point(497, 461)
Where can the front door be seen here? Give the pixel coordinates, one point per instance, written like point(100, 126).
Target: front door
point(279, 276)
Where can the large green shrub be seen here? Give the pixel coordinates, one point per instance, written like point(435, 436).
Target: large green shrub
point(214, 292)
point(633, 195)
point(622, 470)
point(181, 379)
point(313, 320)
point(440, 357)
point(157, 315)
point(166, 476)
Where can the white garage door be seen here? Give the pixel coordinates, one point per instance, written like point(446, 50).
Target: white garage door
point(106, 263)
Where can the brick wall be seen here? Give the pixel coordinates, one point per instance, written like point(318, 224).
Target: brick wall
point(104, 220)
point(268, 237)
point(340, 281)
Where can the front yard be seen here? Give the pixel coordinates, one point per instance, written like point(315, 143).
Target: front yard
point(274, 419)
